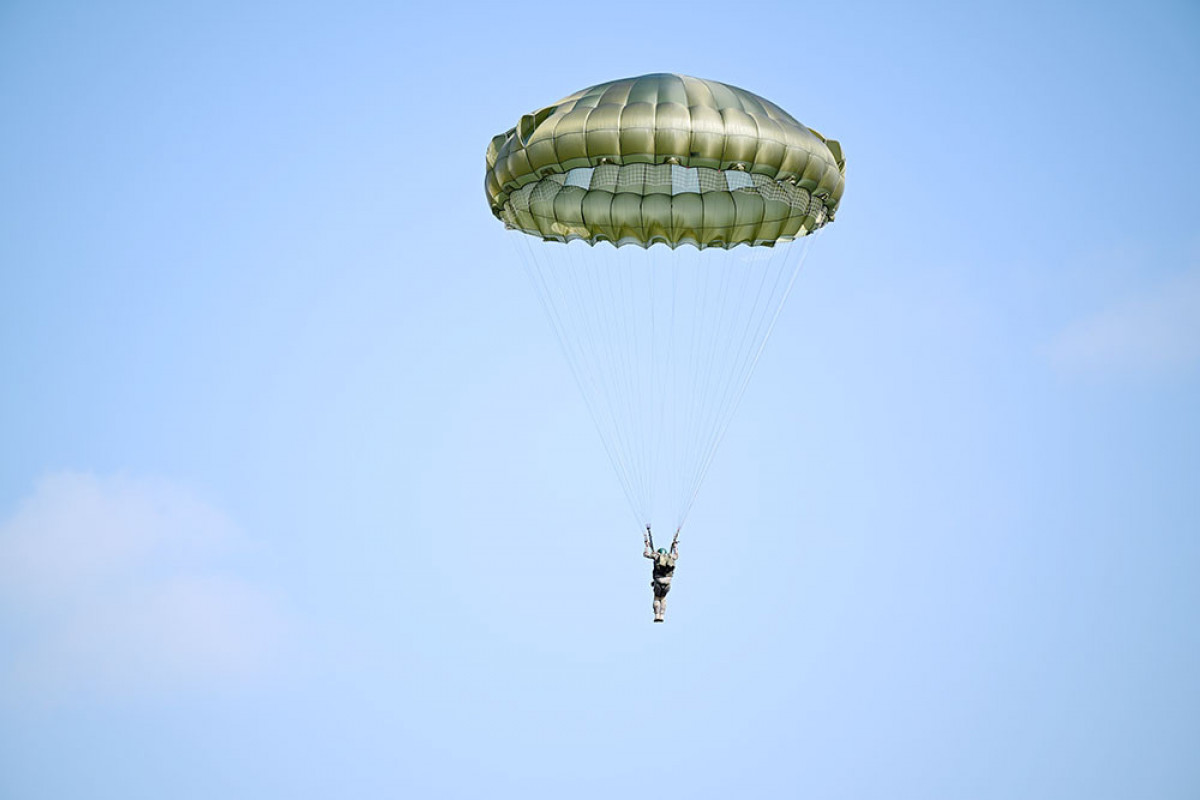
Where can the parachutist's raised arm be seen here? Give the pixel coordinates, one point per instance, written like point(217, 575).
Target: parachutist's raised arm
point(675, 545)
point(648, 540)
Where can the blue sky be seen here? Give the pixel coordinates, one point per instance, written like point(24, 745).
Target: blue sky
point(298, 499)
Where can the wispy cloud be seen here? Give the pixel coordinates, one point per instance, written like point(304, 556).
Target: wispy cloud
point(115, 583)
point(1157, 331)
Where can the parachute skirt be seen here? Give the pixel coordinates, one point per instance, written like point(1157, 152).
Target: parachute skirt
point(647, 204)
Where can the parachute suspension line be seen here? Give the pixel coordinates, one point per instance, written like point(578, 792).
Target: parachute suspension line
point(728, 331)
point(651, 444)
point(661, 357)
point(550, 294)
point(731, 338)
point(624, 332)
point(580, 290)
point(674, 369)
point(637, 397)
point(684, 300)
point(792, 261)
point(609, 322)
point(644, 285)
point(715, 314)
point(624, 327)
point(731, 325)
point(637, 267)
point(662, 343)
point(700, 362)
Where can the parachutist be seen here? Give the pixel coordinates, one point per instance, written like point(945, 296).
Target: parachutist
point(664, 570)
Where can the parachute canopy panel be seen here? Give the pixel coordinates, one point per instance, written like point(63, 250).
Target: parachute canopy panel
point(664, 158)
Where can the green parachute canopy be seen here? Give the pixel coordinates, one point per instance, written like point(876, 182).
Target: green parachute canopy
point(664, 158)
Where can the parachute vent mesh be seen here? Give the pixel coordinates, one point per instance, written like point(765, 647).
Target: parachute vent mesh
point(580, 177)
point(711, 180)
point(738, 180)
point(684, 180)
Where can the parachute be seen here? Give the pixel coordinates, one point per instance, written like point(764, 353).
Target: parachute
point(663, 220)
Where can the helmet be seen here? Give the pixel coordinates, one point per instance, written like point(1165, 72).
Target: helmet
point(662, 550)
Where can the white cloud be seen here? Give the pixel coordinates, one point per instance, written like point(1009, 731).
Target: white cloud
point(1156, 332)
point(114, 582)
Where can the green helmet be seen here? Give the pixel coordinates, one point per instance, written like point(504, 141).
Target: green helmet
point(662, 550)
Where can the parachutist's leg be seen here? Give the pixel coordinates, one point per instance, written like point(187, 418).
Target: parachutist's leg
point(660, 600)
